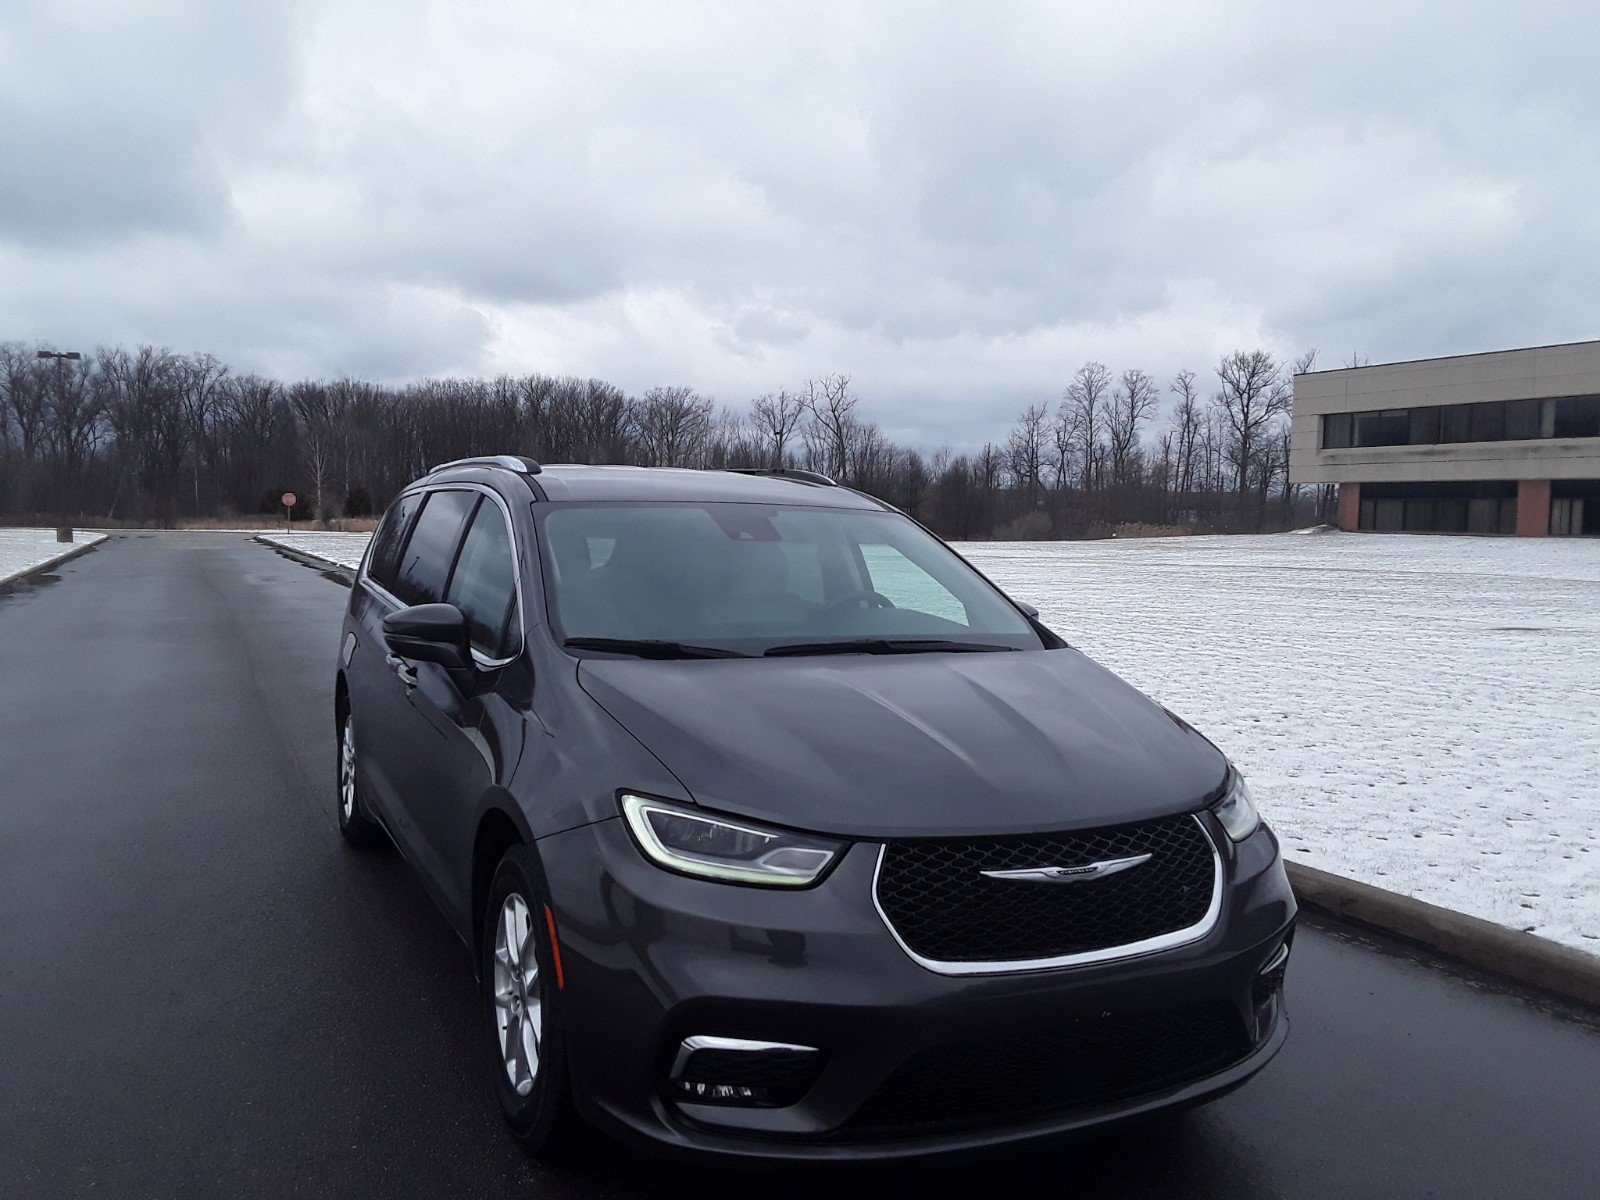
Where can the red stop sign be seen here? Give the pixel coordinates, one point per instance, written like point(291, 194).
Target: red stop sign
point(288, 499)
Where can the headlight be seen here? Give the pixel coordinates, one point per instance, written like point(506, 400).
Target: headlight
point(1236, 810)
point(682, 839)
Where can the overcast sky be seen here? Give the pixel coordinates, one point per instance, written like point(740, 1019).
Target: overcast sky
point(955, 204)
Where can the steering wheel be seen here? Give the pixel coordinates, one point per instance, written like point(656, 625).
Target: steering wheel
point(873, 600)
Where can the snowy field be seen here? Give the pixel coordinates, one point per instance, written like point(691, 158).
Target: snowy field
point(23, 549)
point(1419, 713)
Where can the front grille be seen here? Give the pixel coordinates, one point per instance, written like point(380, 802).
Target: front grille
point(1081, 1064)
point(946, 911)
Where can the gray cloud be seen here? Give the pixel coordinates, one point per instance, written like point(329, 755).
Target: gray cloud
point(956, 204)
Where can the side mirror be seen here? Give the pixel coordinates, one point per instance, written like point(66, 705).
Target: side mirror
point(435, 633)
point(1028, 609)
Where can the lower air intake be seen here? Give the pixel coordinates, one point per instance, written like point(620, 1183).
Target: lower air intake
point(1079, 1064)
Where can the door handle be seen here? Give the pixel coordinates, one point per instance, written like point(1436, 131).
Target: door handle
point(407, 673)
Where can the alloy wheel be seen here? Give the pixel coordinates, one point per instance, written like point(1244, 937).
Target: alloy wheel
point(347, 771)
point(517, 999)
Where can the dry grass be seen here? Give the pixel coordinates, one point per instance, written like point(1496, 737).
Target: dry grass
point(1136, 529)
point(338, 525)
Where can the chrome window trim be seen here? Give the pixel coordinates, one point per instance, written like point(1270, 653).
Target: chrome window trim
point(383, 593)
point(1154, 945)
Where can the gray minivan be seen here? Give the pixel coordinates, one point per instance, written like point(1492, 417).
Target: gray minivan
point(778, 831)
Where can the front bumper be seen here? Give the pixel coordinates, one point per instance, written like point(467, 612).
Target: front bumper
point(652, 958)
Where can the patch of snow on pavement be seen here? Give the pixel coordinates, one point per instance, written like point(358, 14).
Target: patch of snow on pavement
point(1418, 713)
point(23, 549)
point(342, 549)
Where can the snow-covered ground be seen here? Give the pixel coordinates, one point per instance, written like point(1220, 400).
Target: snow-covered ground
point(23, 549)
point(345, 549)
point(1419, 713)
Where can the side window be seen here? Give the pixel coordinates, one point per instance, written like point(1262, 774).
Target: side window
point(484, 585)
point(909, 586)
point(425, 561)
point(385, 557)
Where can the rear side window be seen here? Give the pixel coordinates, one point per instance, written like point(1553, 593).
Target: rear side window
point(484, 586)
point(908, 585)
point(425, 561)
point(385, 556)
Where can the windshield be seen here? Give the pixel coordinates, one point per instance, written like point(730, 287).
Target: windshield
point(759, 578)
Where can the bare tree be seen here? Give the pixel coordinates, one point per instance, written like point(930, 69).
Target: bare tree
point(776, 420)
point(27, 402)
point(75, 417)
point(671, 425)
point(833, 425)
point(1064, 440)
point(145, 433)
point(1186, 423)
point(312, 405)
point(1027, 448)
point(145, 412)
point(1086, 400)
point(1133, 403)
point(1254, 395)
point(199, 378)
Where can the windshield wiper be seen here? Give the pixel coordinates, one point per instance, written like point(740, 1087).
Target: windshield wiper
point(650, 648)
point(882, 646)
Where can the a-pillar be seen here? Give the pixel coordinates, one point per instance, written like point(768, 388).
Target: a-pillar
point(1533, 508)
point(1349, 518)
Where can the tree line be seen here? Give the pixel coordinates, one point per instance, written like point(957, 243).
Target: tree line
point(147, 435)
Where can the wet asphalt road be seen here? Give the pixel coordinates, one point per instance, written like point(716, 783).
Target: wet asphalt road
point(202, 992)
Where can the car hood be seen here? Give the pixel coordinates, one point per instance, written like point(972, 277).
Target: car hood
point(916, 745)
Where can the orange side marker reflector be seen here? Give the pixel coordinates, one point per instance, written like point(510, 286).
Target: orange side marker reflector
point(555, 948)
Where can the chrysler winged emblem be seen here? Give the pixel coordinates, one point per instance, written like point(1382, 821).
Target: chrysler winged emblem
point(1097, 870)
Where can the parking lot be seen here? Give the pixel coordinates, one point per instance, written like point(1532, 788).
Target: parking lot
point(203, 992)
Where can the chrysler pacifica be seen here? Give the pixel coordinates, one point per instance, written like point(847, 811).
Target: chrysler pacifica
point(776, 830)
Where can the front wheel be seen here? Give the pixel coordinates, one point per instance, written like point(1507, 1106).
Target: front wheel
point(354, 825)
point(522, 1007)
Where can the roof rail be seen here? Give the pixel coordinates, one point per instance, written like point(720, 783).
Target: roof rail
point(508, 462)
point(795, 473)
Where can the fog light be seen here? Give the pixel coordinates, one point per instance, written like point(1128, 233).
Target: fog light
point(1270, 978)
point(741, 1072)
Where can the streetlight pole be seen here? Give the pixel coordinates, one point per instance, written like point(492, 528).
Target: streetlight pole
point(63, 532)
point(61, 356)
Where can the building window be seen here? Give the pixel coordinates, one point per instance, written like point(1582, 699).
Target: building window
point(1577, 416)
point(1389, 427)
point(1483, 515)
point(1389, 515)
point(1486, 421)
point(1455, 423)
point(1336, 431)
point(1445, 507)
point(1575, 508)
point(1424, 426)
point(1523, 419)
point(1489, 422)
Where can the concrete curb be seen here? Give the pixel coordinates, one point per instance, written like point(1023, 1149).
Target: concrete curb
point(333, 570)
point(1523, 957)
point(47, 564)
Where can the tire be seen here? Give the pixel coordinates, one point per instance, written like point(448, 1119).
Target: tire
point(534, 1098)
point(355, 826)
